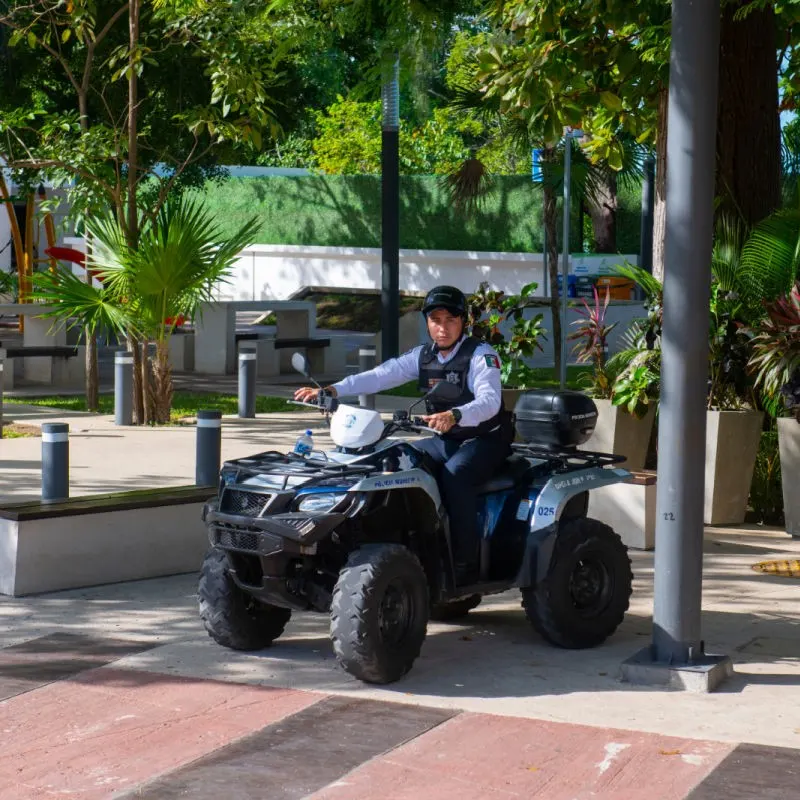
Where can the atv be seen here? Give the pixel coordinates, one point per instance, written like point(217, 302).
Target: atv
point(359, 533)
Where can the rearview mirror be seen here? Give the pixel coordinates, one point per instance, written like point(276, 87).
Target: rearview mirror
point(300, 364)
point(444, 390)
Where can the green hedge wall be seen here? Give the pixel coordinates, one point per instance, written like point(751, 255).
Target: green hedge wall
point(344, 210)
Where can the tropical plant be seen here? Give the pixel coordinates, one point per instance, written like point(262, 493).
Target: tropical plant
point(641, 345)
point(488, 311)
point(776, 354)
point(729, 385)
point(593, 344)
point(634, 390)
point(145, 290)
point(766, 491)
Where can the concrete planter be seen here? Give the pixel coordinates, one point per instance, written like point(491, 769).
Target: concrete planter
point(732, 439)
point(789, 443)
point(621, 433)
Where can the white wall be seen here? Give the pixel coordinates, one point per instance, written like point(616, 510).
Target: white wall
point(276, 272)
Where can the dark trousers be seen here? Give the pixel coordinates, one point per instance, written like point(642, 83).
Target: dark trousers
point(463, 466)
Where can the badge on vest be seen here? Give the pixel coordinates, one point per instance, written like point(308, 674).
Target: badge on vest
point(453, 377)
point(492, 361)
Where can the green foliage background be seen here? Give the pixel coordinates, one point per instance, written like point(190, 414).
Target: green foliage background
point(344, 210)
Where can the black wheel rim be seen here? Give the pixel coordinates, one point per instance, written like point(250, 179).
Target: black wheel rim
point(591, 585)
point(396, 613)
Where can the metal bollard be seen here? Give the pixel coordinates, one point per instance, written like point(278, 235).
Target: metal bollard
point(209, 448)
point(123, 388)
point(247, 383)
point(55, 461)
point(366, 361)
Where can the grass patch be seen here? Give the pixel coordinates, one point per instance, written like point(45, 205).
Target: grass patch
point(545, 377)
point(184, 404)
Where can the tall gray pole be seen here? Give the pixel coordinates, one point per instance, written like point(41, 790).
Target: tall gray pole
point(390, 216)
point(684, 370)
point(247, 383)
point(208, 448)
point(565, 261)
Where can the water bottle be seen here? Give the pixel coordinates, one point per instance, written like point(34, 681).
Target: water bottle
point(305, 444)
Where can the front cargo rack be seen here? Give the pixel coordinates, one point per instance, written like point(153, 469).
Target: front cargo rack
point(292, 465)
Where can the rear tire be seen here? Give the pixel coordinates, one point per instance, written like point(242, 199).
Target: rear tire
point(586, 593)
point(454, 609)
point(379, 613)
point(232, 617)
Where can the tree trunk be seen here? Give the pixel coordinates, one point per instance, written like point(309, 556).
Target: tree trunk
point(748, 128)
point(550, 224)
point(147, 385)
point(92, 372)
point(660, 204)
point(603, 211)
point(162, 383)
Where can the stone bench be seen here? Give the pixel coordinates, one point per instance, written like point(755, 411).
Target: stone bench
point(629, 508)
point(89, 541)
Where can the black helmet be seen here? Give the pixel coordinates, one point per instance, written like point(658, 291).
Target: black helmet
point(447, 297)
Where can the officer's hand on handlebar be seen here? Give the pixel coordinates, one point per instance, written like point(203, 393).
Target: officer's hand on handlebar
point(441, 422)
point(308, 394)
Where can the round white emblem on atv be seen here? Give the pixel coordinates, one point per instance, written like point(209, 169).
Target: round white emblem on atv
point(355, 427)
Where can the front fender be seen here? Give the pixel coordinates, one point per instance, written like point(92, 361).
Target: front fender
point(546, 517)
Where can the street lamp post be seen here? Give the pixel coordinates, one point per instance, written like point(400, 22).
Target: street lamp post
point(569, 135)
point(390, 216)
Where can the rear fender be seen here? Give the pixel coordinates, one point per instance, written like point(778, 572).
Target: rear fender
point(548, 511)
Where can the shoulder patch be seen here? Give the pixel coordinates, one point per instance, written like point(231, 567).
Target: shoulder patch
point(492, 361)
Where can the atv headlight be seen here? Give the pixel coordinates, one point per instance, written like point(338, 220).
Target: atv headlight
point(319, 502)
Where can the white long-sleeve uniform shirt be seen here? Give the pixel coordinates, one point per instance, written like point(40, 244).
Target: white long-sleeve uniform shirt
point(483, 380)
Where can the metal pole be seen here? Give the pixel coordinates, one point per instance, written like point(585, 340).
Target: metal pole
point(648, 213)
point(209, 447)
point(684, 371)
point(2, 387)
point(544, 261)
point(565, 261)
point(366, 361)
point(390, 217)
point(123, 388)
point(55, 461)
point(247, 383)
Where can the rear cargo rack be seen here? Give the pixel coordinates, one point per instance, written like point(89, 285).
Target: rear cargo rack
point(567, 460)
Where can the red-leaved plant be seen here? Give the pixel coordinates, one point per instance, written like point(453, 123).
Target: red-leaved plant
point(593, 345)
point(776, 353)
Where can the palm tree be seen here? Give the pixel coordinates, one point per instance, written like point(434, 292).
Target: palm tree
point(146, 290)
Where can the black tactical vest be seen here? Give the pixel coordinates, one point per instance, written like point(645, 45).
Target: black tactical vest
point(456, 371)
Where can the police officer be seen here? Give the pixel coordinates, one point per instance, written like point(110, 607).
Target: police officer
point(475, 431)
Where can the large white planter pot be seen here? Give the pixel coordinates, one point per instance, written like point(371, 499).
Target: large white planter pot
point(789, 444)
point(622, 434)
point(732, 439)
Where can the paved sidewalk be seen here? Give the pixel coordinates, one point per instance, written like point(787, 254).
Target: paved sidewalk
point(116, 691)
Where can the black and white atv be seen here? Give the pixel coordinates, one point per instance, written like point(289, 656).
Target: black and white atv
point(360, 533)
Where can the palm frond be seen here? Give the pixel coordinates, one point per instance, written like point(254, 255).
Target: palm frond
point(771, 256)
point(649, 284)
point(729, 239)
point(74, 303)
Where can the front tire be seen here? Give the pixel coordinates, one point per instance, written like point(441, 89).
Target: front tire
point(379, 613)
point(586, 593)
point(232, 617)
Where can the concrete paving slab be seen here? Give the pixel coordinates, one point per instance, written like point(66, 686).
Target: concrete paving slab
point(493, 663)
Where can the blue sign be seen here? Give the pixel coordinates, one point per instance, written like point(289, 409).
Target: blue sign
point(537, 176)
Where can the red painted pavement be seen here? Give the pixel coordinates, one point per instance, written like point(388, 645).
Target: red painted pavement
point(481, 757)
point(107, 730)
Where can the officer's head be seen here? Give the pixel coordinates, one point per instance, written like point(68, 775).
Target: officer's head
point(445, 309)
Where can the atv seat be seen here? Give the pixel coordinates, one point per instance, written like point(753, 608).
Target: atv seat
point(510, 474)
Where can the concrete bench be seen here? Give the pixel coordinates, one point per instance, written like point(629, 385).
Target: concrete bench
point(629, 508)
point(88, 541)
